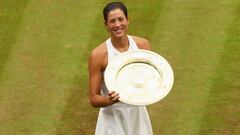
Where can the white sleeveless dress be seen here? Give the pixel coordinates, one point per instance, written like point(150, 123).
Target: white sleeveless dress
point(121, 118)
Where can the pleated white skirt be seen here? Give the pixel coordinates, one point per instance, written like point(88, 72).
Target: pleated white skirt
point(123, 119)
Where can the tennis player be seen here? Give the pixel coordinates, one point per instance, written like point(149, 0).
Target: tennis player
point(115, 118)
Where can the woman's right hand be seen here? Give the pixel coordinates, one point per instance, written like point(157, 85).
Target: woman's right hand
point(113, 96)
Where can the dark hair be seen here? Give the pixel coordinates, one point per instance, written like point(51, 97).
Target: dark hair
point(114, 5)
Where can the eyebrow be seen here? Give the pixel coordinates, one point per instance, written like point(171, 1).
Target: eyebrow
point(116, 18)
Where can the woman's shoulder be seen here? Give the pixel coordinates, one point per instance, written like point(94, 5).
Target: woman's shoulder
point(98, 56)
point(141, 42)
point(100, 51)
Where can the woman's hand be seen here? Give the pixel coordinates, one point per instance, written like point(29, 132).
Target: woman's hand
point(113, 96)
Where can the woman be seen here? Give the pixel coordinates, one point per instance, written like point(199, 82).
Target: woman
point(115, 118)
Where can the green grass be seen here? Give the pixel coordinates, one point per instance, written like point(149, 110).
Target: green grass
point(44, 48)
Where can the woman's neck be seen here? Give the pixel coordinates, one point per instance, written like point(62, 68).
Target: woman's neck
point(120, 44)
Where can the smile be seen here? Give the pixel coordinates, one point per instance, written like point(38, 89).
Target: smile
point(118, 30)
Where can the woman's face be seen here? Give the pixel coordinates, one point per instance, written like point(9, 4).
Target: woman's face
point(117, 23)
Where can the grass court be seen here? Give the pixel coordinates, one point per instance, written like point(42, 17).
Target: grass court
point(45, 44)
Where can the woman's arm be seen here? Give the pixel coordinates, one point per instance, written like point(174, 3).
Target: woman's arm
point(95, 80)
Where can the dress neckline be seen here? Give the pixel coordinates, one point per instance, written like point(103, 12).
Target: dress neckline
point(117, 51)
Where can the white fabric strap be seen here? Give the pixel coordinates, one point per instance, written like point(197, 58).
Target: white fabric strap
point(112, 51)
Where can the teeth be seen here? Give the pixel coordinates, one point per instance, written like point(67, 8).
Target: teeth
point(118, 30)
